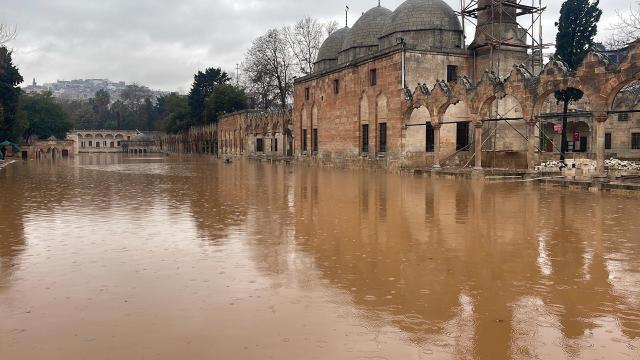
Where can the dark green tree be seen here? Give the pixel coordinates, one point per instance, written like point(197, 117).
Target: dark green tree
point(203, 85)
point(177, 115)
point(44, 117)
point(10, 78)
point(577, 27)
point(100, 105)
point(79, 113)
point(224, 99)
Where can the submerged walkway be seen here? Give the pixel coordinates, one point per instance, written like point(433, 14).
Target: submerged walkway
point(4, 163)
point(547, 178)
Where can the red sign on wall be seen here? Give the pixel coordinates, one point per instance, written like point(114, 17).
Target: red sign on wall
point(576, 136)
point(557, 128)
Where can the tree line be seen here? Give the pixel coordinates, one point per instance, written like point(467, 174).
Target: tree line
point(25, 117)
point(269, 69)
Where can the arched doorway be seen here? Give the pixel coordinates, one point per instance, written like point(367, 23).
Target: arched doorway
point(419, 138)
point(289, 141)
point(505, 134)
point(622, 130)
point(456, 135)
point(579, 127)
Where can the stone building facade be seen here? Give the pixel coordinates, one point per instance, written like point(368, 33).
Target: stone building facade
point(51, 148)
point(100, 141)
point(403, 91)
point(244, 133)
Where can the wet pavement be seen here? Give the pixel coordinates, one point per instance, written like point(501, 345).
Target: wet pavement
point(116, 257)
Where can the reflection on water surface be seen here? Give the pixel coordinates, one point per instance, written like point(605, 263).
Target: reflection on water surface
point(108, 257)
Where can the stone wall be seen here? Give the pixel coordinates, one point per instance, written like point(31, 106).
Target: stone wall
point(100, 141)
point(600, 81)
point(338, 117)
point(244, 133)
point(47, 149)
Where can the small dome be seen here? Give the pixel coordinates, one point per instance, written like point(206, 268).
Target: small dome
point(416, 15)
point(332, 45)
point(367, 29)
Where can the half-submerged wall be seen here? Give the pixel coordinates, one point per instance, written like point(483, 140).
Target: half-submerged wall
point(244, 133)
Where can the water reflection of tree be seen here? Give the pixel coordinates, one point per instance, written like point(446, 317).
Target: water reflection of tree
point(215, 197)
point(12, 240)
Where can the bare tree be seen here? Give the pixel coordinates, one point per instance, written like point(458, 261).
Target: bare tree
point(627, 29)
point(305, 39)
point(261, 89)
point(7, 33)
point(331, 27)
point(270, 59)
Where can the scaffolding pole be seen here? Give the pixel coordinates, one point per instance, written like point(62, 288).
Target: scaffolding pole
point(493, 38)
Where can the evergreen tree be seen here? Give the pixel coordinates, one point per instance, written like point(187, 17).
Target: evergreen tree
point(224, 99)
point(10, 78)
point(577, 27)
point(177, 116)
point(203, 85)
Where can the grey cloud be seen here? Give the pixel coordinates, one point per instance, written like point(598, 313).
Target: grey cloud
point(161, 43)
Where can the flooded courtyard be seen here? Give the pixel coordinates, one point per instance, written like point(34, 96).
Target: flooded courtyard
point(116, 257)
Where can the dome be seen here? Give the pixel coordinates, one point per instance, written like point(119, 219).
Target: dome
point(367, 29)
point(332, 45)
point(424, 25)
point(416, 15)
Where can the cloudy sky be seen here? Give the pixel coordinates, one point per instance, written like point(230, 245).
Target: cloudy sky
point(161, 43)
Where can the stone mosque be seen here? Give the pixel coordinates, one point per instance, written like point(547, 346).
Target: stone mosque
point(401, 90)
point(359, 105)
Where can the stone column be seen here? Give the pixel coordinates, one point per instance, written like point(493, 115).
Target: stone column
point(477, 143)
point(436, 145)
point(531, 145)
point(600, 119)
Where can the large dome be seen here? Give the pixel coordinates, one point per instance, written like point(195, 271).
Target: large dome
point(332, 45)
point(425, 25)
point(416, 15)
point(367, 29)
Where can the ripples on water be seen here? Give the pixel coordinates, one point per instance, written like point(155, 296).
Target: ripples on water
point(108, 257)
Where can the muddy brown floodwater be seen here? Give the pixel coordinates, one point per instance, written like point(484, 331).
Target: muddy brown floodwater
point(113, 257)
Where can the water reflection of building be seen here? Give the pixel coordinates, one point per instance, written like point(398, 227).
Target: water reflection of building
point(476, 268)
point(479, 270)
point(416, 254)
point(140, 144)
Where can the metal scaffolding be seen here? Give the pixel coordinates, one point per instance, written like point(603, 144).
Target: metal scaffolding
point(496, 38)
point(490, 18)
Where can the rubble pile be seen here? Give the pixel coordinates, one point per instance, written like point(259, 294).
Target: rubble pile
point(616, 164)
point(549, 165)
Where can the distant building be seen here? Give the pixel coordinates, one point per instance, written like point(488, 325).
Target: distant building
point(85, 89)
point(51, 148)
point(110, 141)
